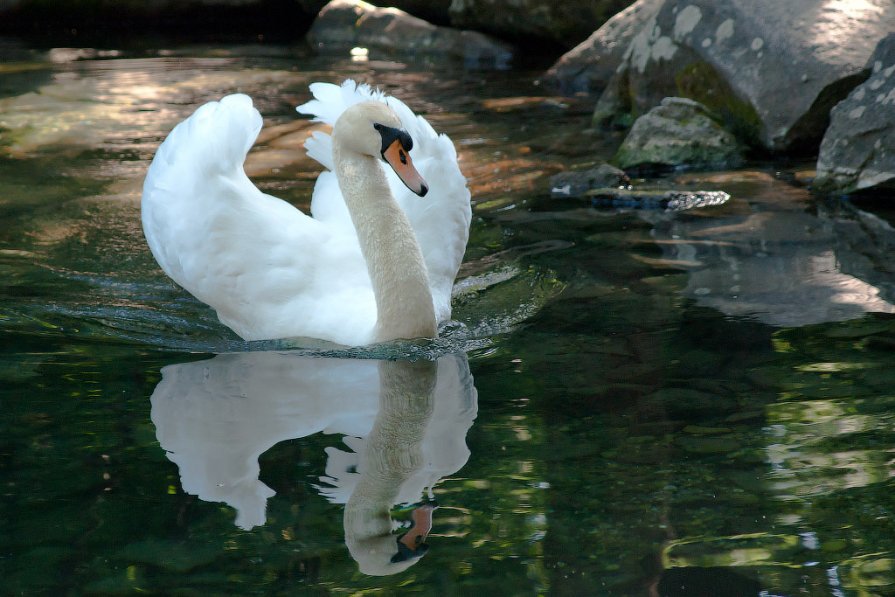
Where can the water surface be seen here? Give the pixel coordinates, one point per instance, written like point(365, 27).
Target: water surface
point(629, 402)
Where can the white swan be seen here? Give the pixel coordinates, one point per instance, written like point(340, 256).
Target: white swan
point(374, 263)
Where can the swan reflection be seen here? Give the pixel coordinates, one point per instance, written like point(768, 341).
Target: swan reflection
point(404, 422)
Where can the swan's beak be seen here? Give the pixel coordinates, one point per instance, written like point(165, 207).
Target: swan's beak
point(399, 159)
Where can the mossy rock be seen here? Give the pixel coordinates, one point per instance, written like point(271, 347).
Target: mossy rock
point(679, 132)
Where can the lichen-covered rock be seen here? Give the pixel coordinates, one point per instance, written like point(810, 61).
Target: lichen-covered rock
point(590, 65)
point(772, 70)
point(565, 22)
point(858, 150)
point(678, 132)
point(344, 24)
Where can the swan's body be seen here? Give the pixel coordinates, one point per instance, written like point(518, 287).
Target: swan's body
point(374, 263)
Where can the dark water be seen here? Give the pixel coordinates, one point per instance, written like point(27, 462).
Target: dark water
point(630, 402)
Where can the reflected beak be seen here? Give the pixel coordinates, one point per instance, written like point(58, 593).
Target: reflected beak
point(412, 543)
point(399, 159)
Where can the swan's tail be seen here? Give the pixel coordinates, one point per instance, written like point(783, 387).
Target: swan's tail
point(214, 140)
point(331, 100)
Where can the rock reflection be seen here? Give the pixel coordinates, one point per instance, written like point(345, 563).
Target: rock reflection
point(774, 262)
point(405, 423)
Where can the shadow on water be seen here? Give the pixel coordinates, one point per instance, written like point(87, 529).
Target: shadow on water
point(665, 402)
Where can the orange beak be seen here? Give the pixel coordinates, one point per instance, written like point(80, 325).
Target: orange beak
point(399, 159)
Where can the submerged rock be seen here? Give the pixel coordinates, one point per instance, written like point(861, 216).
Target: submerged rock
point(578, 183)
point(678, 132)
point(661, 200)
point(772, 70)
point(345, 24)
point(858, 150)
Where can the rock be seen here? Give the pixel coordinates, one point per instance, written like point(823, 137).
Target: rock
point(564, 23)
point(344, 24)
point(589, 66)
point(678, 132)
point(434, 11)
point(577, 183)
point(857, 149)
point(772, 70)
point(669, 201)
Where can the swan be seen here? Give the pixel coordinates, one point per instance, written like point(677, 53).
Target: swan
point(374, 261)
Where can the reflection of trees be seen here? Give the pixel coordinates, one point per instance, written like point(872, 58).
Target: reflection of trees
point(810, 451)
point(828, 441)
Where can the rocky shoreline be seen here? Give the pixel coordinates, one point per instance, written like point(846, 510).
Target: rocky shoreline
point(801, 78)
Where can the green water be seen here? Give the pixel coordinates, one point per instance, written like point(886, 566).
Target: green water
point(629, 403)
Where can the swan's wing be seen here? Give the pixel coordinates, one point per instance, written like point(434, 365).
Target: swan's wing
point(269, 270)
point(440, 220)
point(211, 143)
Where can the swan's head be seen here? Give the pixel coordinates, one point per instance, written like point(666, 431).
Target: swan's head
point(372, 128)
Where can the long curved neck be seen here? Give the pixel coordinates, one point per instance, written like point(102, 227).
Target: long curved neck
point(394, 259)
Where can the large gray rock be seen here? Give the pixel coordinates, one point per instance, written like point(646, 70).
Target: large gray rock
point(772, 70)
point(564, 22)
point(858, 150)
point(344, 24)
point(678, 132)
point(589, 66)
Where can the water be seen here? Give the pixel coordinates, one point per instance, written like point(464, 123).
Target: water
point(629, 403)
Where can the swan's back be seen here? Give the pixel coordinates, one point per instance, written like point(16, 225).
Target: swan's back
point(440, 220)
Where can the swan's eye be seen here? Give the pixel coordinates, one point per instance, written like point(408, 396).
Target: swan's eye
point(390, 134)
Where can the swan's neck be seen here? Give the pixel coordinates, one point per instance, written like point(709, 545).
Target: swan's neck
point(394, 259)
